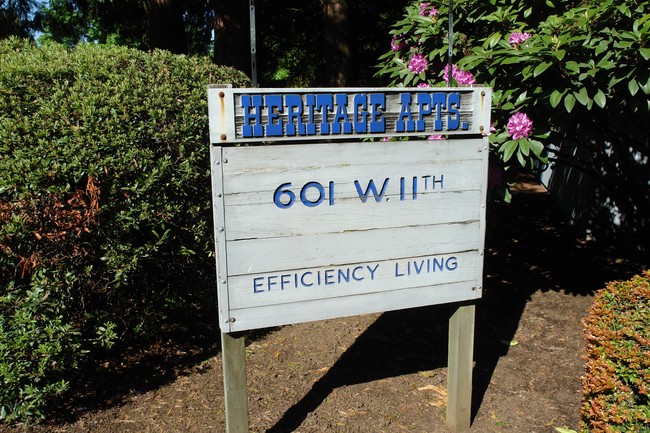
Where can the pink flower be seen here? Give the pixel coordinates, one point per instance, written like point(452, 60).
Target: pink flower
point(461, 77)
point(397, 43)
point(519, 126)
point(433, 12)
point(423, 85)
point(418, 63)
point(388, 138)
point(436, 137)
point(516, 38)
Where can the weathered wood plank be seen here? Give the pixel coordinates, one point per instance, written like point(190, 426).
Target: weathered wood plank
point(234, 380)
point(317, 284)
point(459, 366)
point(268, 221)
point(273, 315)
point(253, 256)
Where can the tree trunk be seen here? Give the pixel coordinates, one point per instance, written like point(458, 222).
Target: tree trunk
point(232, 35)
point(337, 42)
point(165, 27)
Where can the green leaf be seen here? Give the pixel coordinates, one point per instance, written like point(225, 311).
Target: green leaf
point(491, 41)
point(556, 97)
point(572, 66)
point(633, 87)
point(513, 59)
point(646, 86)
point(582, 96)
point(522, 159)
point(559, 54)
point(508, 149)
point(524, 148)
point(550, 4)
point(569, 102)
point(565, 430)
point(541, 68)
point(600, 99)
point(536, 146)
point(645, 53)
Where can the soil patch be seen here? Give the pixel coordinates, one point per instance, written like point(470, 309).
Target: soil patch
point(383, 372)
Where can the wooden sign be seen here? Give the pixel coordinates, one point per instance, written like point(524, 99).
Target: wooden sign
point(321, 230)
point(277, 115)
point(313, 223)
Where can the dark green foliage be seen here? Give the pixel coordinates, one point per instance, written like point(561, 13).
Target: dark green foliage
point(105, 220)
point(617, 381)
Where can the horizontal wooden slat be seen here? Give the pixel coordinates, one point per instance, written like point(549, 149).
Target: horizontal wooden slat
point(273, 315)
point(267, 221)
point(255, 256)
point(324, 282)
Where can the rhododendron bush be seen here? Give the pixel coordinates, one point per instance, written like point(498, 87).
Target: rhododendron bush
point(559, 71)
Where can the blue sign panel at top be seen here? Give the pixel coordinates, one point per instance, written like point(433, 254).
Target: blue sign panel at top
point(248, 115)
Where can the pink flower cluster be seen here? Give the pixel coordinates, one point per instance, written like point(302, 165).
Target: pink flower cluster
point(433, 12)
point(397, 43)
point(436, 137)
point(519, 125)
point(461, 77)
point(418, 63)
point(517, 38)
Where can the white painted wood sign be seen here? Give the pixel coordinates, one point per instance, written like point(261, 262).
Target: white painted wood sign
point(330, 228)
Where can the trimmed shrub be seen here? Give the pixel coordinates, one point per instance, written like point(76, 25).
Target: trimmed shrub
point(105, 216)
point(616, 385)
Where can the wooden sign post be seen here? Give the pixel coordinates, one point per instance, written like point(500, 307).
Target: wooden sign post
point(312, 223)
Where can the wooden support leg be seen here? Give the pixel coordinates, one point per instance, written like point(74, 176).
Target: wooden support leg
point(459, 366)
point(234, 382)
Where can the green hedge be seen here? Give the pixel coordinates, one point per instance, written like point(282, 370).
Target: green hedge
point(105, 221)
point(617, 381)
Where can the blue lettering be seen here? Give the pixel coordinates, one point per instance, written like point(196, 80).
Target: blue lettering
point(274, 105)
point(252, 106)
point(360, 102)
point(257, 284)
point(354, 273)
point(270, 281)
point(294, 113)
point(344, 275)
point(453, 119)
point(418, 269)
point(452, 263)
point(310, 101)
point(372, 271)
point(397, 272)
point(405, 121)
point(282, 280)
point(303, 194)
point(438, 263)
point(341, 122)
point(302, 279)
point(329, 277)
point(371, 188)
point(424, 100)
point(377, 123)
point(439, 102)
point(324, 104)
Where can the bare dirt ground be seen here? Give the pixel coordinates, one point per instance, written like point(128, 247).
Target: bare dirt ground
point(382, 372)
